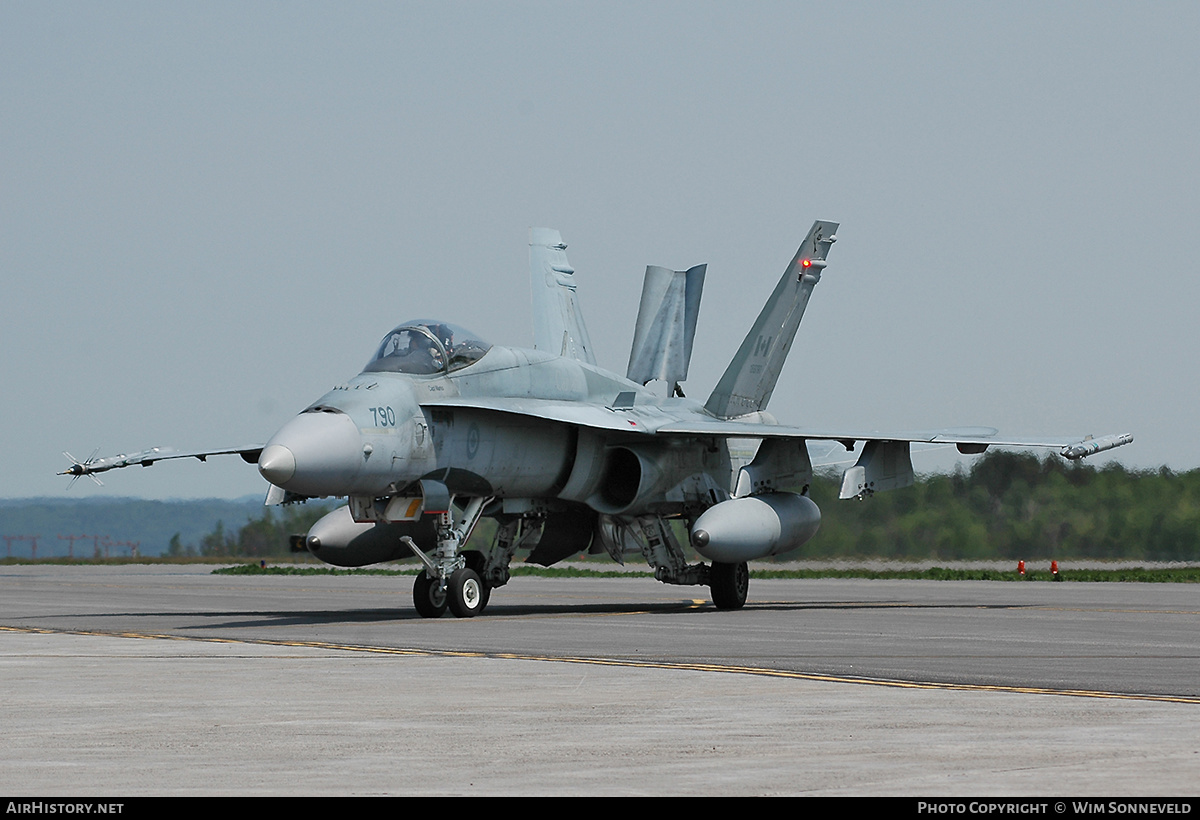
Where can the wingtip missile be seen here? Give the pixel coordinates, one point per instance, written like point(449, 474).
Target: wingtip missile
point(90, 465)
point(1091, 446)
point(81, 468)
point(94, 465)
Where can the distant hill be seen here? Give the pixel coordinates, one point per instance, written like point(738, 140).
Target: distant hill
point(150, 524)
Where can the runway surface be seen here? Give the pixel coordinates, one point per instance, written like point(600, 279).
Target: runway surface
point(170, 680)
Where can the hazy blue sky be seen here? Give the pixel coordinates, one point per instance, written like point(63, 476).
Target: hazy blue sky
point(210, 213)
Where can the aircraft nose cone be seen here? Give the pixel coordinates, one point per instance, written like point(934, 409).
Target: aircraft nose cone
point(277, 464)
point(316, 453)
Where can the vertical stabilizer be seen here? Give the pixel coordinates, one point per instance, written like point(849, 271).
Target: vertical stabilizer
point(750, 378)
point(666, 325)
point(557, 321)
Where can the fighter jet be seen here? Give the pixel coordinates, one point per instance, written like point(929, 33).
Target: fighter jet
point(443, 428)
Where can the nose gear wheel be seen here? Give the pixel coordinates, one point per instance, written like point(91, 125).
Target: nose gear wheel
point(429, 597)
point(464, 592)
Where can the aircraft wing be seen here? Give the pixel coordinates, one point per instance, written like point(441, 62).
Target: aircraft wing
point(884, 462)
point(653, 419)
point(1072, 447)
point(147, 457)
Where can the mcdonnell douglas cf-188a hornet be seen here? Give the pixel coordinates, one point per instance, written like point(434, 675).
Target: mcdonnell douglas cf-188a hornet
point(442, 428)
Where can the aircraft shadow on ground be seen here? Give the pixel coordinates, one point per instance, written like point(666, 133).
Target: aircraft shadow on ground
point(247, 619)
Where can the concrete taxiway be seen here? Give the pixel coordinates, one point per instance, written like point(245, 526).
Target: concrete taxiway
point(170, 680)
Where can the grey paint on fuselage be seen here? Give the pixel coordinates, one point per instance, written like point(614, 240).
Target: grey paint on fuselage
point(475, 451)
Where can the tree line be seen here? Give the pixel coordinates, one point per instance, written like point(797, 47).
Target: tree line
point(1016, 505)
point(260, 537)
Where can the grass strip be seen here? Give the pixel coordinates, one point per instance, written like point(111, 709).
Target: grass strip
point(1183, 575)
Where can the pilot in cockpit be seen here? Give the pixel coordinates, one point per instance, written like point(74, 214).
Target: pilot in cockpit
point(419, 355)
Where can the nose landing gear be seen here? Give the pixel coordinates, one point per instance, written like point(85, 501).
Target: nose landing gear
point(449, 581)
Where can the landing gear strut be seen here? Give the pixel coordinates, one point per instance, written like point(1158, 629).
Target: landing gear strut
point(729, 583)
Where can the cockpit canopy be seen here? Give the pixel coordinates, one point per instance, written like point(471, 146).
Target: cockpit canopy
point(426, 347)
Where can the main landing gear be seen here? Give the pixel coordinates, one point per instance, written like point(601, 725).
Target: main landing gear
point(729, 584)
